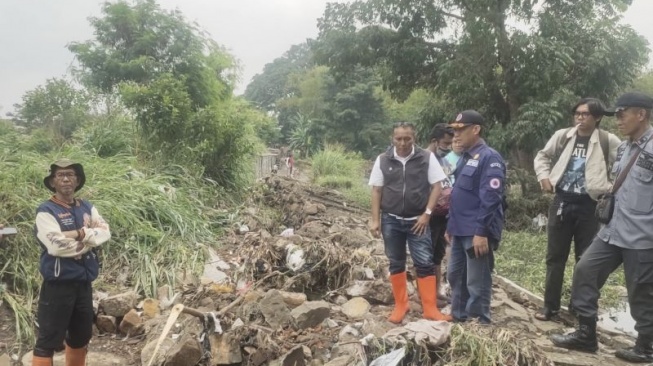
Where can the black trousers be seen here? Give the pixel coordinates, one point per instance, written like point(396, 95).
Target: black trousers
point(438, 226)
point(598, 262)
point(569, 219)
point(65, 312)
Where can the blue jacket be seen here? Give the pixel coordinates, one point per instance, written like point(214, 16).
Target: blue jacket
point(66, 259)
point(476, 206)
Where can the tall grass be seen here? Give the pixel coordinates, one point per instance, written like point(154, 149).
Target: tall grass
point(160, 218)
point(336, 168)
point(522, 258)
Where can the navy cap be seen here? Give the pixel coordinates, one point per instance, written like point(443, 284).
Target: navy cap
point(632, 99)
point(467, 118)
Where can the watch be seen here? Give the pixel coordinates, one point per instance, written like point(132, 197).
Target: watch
point(428, 211)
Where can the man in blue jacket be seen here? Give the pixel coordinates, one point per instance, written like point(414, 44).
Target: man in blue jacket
point(67, 229)
point(475, 220)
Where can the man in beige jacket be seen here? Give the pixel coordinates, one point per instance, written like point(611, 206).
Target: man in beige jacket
point(573, 165)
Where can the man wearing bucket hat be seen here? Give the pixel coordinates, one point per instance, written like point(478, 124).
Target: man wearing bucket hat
point(625, 239)
point(475, 220)
point(67, 229)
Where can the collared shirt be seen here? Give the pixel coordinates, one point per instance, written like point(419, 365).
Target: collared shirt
point(631, 226)
point(476, 206)
point(434, 174)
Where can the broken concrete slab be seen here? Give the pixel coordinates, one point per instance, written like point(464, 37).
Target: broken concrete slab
point(310, 314)
point(225, 350)
point(294, 357)
point(356, 308)
point(274, 309)
point(119, 305)
point(106, 324)
point(185, 352)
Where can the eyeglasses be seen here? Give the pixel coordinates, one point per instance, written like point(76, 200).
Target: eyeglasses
point(65, 175)
point(582, 114)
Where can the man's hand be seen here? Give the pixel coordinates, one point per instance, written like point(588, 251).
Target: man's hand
point(546, 185)
point(375, 228)
point(422, 223)
point(481, 247)
point(447, 237)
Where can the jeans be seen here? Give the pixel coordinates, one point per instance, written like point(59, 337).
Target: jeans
point(396, 234)
point(576, 221)
point(470, 281)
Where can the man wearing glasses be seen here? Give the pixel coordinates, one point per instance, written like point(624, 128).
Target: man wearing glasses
point(406, 184)
point(573, 165)
point(475, 220)
point(626, 238)
point(67, 229)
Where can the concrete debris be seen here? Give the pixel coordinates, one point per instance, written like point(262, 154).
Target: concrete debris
point(310, 314)
point(119, 305)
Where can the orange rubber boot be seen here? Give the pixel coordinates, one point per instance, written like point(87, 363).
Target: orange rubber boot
point(428, 295)
point(41, 361)
point(400, 293)
point(75, 356)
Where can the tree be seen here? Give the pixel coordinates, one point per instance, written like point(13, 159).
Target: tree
point(179, 84)
point(267, 88)
point(521, 63)
point(56, 107)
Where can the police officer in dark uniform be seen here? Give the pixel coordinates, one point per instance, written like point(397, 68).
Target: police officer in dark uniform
point(627, 238)
point(475, 220)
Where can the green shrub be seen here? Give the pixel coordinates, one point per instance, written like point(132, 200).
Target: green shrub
point(335, 181)
point(336, 161)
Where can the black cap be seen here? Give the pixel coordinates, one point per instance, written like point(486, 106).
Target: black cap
point(632, 99)
point(66, 163)
point(467, 118)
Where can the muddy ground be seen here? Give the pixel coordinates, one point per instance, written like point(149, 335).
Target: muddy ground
point(318, 295)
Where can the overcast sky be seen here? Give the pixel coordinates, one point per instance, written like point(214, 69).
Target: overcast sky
point(34, 33)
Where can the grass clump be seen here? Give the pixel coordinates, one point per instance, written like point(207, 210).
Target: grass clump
point(522, 258)
point(160, 218)
point(336, 168)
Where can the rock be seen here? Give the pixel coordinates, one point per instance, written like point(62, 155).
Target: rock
point(345, 360)
point(310, 314)
point(119, 305)
point(106, 324)
point(274, 309)
point(148, 351)
point(225, 350)
point(151, 308)
point(348, 333)
point(237, 323)
point(311, 209)
point(212, 274)
point(130, 324)
point(207, 302)
point(377, 292)
point(330, 323)
point(375, 327)
point(521, 315)
point(356, 308)
point(293, 299)
point(92, 358)
point(186, 352)
point(294, 357)
point(307, 352)
point(546, 327)
point(340, 300)
point(5, 360)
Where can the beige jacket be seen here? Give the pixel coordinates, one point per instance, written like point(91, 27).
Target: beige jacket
point(596, 179)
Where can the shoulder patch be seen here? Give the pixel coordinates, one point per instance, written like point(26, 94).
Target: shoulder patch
point(495, 183)
point(496, 165)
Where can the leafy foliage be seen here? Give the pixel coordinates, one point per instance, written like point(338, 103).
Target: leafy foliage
point(517, 62)
point(56, 107)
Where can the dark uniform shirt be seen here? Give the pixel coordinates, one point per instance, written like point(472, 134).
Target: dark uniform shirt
point(476, 206)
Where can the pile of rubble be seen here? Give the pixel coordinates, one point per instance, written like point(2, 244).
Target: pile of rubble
point(310, 288)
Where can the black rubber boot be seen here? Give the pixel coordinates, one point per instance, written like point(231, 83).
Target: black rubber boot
point(641, 353)
point(583, 339)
